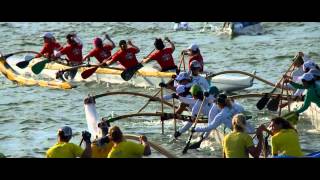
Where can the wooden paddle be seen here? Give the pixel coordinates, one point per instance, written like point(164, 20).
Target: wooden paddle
point(87, 73)
point(197, 144)
point(127, 74)
point(265, 99)
point(195, 124)
point(25, 63)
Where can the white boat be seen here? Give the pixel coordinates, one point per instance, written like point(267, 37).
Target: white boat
point(242, 28)
point(145, 77)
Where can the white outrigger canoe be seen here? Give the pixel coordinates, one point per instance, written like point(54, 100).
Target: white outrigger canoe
point(145, 77)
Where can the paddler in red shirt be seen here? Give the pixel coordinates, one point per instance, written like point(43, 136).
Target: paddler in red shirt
point(126, 56)
point(49, 46)
point(162, 55)
point(100, 51)
point(193, 52)
point(73, 51)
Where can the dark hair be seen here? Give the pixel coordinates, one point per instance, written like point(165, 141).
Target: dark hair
point(122, 42)
point(284, 123)
point(158, 43)
point(116, 134)
point(70, 38)
point(299, 60)
point(195, 52)
point(63, 137)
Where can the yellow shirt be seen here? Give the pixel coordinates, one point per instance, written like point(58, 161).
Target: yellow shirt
point(286, 142)
point(64, 150)
point(101, 152)
point(235, 145)
point(127, 149)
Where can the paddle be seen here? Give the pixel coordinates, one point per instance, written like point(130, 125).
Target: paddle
point(195, 124)
point(264, 100)
point(197, 144)
point(273, 104)
point(25, 63)
point(19, 52)
point(39, 66)
point(87, 73)
point(127, 74)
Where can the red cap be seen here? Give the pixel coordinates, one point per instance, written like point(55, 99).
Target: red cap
point(97, 41)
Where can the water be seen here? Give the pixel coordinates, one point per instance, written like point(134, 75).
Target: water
point(30, 116)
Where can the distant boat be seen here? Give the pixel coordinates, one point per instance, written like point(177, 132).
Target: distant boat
point(181, 26)
point(242, 28)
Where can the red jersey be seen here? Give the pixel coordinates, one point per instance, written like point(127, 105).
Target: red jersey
point(74, 53)
point(48, 49)
point(101, 53)
point(164, 58)
point(126, 58)
point(197, 57)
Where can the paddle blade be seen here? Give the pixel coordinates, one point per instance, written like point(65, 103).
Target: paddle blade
point(87, 73)
point(185, 150)
point(128, 73)
point(273, 104)
point(23, 64)
point(195, 145)
point(38, 67)
point(263, 102)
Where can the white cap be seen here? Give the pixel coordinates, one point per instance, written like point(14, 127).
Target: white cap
point(67, 131)
point(306, 77)
point(195, 64)
point(48, 35)
point(315, 72)
point(180, 89)
point(309, 64)
point(182, 76)
point(193, 47)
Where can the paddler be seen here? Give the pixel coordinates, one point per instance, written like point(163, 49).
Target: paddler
point(312, 94)
point(127, 149)
point(50, 45)
point(65, 149)
point(284, 138)
point(163, 55)
point(195, 67)
point(126, 56)
point(101, 51)
point(238, 143)
point(73, 50)
point(197, 100)
point(193, 52)
point(102, 145)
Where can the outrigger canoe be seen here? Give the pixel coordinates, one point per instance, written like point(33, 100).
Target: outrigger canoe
point(145, 77)
point(16, 77)
point(242, 28)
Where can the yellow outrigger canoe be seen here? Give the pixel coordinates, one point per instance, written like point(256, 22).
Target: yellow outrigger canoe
point(15, 77)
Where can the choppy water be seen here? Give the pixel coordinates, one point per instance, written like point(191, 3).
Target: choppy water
point(30, 116)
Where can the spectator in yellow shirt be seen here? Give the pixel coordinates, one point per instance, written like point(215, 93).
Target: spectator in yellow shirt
point(102, 146)
point(285, 139)
point(238, 143)
point(64, 149)
point(127, 149)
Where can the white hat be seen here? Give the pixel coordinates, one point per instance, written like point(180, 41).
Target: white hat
point(180, 89)
point(67, 131)
point(193, 47)
point(182, 76)
point(315, 72)
point(195, 64)
point(309, 64)
point(306, 77)
point(48, 35)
